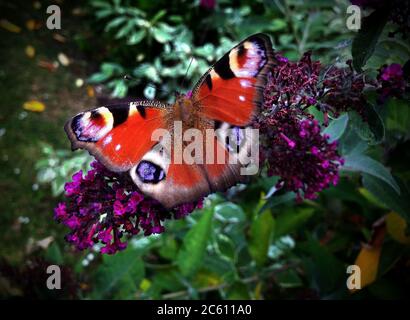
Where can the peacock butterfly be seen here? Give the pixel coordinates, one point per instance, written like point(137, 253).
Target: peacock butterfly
point(225, 99)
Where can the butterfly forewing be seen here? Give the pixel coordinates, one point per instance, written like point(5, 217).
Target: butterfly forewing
point(118, 135)
point(232, 90)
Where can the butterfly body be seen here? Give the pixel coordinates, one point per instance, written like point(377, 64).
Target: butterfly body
point(187, 112)
point(158, 142)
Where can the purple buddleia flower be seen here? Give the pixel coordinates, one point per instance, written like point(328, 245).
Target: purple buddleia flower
point(292, 145)
point(107, 207)
point(307, 83)
point(208, 4)
point(294, 149)
point(391, 82)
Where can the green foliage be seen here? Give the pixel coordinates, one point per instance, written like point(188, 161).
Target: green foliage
point(290, 221)
point(365, 164)
point(160, 47)
point(260, 237)
point(388, 195)
point(325, 270)
point(337, 127)
point(194, 245)
point(119, 276)
point(56, 165)
point(365, 42)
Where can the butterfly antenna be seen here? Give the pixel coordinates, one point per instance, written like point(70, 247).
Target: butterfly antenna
point(186, 73)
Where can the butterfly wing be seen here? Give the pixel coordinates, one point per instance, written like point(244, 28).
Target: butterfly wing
point(158, 176)
point(232, 89)
point(122, 138)
point(231, 93)
point(118, 135)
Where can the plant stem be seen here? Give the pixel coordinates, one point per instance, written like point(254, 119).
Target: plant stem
point(185, 293)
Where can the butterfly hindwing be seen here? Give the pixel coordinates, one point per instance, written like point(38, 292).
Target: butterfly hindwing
point(158, 176)
point(118, 135)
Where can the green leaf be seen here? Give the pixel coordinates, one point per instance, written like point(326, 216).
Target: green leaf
point(229, 212)
point(126, 29)
point(367, 37)
point(337, 127)
point(161, 35)
point(289, 279)
point(276, 200)
point(375, 123)
point(100, 14)
point(350, 143)
point(226, 247)
point(277, 24)
point(54, 255)
point(194, 246)
point(260, 236)
point(398, 118)
point(119, 275)
point(120, 88)
point(389, 197)
point(324, 269)
point(158, 16)
point(136, 37)
point(238, 291)
point(371, 130)
point(390, 254)
point(100, 4)
point(148, 71)
point(167, 280)
point(291, 220)
point(169, 248)
point(98, 77)
point(345, 190)
point(110, 68)
point(115, 23)
point(365, 164)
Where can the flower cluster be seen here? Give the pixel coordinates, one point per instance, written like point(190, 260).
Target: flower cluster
point(207, 4)
point(292, 84)
point(306, 83)
point(295, 150)
point(107, 207)
point(342, 90)
point(293, 147)
point(391, 81)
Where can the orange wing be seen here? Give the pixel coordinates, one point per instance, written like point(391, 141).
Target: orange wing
point(231, 93)
point(232, 90)
point(119, 135)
